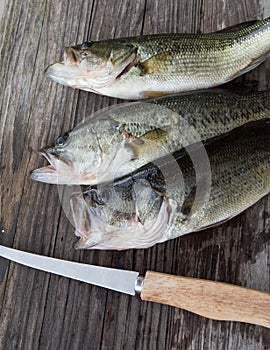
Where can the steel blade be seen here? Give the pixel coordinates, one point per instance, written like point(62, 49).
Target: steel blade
point(114, 279)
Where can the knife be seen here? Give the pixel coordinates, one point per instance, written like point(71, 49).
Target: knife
point(214, 300)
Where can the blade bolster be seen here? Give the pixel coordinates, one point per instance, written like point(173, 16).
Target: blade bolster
point(139, 284)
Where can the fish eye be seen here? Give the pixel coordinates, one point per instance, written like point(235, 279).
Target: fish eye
point(86, 44)
point(61, 140)
point(105, 195)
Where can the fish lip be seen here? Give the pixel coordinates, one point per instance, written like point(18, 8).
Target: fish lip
point(49, 156)
point(70, 56)
point(50, 71)
point(90, 227)
point(53, 155)
point(47, 173)
point(88, 75)
point(59, 71)
point(81, 221)
point(61, 171)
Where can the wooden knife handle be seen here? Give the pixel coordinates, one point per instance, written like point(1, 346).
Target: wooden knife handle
point(216, 300)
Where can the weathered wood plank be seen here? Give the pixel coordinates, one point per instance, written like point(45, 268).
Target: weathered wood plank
point(50, 312)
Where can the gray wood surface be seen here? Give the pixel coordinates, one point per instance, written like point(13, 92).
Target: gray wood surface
point(41, 311)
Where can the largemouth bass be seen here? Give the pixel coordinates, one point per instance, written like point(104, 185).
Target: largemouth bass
point(148, 206)
point(157, 65)
point(125, 137)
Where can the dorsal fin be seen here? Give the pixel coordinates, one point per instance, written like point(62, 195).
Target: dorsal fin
point(238, 27)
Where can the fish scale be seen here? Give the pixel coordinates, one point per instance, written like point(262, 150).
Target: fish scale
point(162, 64)
point(125, 137)
point(240, 176)
point(240, 171)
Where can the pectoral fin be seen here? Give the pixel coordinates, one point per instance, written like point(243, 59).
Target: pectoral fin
point(148, 201)
point(155, 63)
point(156, 135)
point(142, 145)
point(186, 208)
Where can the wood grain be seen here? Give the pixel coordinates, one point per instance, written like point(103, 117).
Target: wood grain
point(214, 300)
point(40, 311)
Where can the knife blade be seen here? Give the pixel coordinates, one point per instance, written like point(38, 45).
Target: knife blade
point(214, 300)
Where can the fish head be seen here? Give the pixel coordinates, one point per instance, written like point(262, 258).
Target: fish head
point(93, 65)
point(110, 144)
point(114, 223)
point(69, 162)
point(92, 153)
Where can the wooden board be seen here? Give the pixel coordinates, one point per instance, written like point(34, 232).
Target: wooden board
point(41, 311)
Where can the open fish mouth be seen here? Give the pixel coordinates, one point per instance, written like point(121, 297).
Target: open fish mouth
point(69, 70)
point(50, 173)
point(95, 232)
point(63, 171)
point(71, 57)
point(60, 171)
point(80, 69)
point(77, 77)
point(72, 166)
